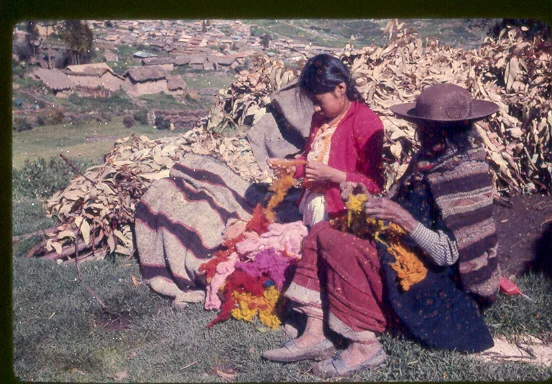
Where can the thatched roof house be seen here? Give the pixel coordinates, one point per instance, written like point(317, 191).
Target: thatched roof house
point(176, 84)
point(60, 84)
point(182, 60)
point(98, 75)
point(146, 73)
point(146, 80)
point(167, 63)
point(197, 61)
point(222, 60)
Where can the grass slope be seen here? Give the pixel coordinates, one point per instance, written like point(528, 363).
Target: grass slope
point(58, 336)
point(49, 141)
point(466, 33)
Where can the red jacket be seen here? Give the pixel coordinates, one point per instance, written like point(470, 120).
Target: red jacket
point(356, 148)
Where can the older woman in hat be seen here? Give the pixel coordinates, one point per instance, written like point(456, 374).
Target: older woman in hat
point(444, 204)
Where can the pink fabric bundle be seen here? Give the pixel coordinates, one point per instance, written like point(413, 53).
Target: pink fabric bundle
point(269, 254)
point(269, 263)
point(223, 270)
point(285, 238)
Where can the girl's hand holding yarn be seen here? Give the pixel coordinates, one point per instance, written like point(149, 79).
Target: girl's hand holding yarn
point(280, 166)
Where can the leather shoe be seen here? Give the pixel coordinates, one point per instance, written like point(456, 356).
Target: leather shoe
point(290, 352)
point(335, 367)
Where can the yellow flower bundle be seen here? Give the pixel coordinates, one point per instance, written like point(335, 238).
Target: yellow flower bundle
point(410, 270)
point(249, 306)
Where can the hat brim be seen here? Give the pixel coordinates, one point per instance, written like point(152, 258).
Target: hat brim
point(480, 109)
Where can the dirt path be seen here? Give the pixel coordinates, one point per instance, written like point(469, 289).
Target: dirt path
point(528, 349)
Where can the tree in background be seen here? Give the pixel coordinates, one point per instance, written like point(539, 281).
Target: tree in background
point(32, 35)
point(265, 40)
point(79, 38)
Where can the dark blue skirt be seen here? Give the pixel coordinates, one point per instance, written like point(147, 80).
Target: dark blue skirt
point(435, 311)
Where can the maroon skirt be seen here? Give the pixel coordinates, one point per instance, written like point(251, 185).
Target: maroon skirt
point(338, 280)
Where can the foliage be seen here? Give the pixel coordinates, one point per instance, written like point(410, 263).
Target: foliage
point(41, 178)
point(128, 121)
point(32, 29)
point(162, 123)
point(23, 50)
point(79, 39)
point(52, 116)
point(265, 40)
point(141, 116)
point(245, 101)
point(21, 124)
point(529, 28)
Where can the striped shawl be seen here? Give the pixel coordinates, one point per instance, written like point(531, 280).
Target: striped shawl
point(462, 188)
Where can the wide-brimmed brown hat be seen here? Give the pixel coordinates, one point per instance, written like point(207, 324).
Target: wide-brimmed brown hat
point(445, 102)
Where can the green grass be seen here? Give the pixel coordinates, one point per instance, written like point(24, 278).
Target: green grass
point(49, 141)
point(162, 101)
point(57, 337)
point(118, 101)
point(201, 79)
point(517, 315)
point(28, 216)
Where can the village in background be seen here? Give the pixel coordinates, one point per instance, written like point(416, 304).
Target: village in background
point(58, 65)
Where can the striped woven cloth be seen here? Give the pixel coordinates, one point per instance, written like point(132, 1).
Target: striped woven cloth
point(463, 190)
point(180, 219)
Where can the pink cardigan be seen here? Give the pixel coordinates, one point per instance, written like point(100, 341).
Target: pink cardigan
point(356, 148)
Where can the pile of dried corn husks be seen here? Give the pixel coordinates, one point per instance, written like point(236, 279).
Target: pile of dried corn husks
point(98, 209)
point(515, 74)
point(245, 101)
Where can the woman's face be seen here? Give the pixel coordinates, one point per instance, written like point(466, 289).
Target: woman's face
point(432, 136)
point(331, 104)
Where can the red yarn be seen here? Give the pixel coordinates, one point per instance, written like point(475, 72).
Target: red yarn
point(210, 267)
point(258, 222)
point(231, 243)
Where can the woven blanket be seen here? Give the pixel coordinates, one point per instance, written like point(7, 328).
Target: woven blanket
point(180, 219)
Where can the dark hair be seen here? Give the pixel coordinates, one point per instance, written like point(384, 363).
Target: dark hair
point(459, 134)
point(323, 73)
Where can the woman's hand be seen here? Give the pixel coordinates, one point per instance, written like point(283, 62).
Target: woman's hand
point(316, 172)
point(385, 209)
point(279, 169)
